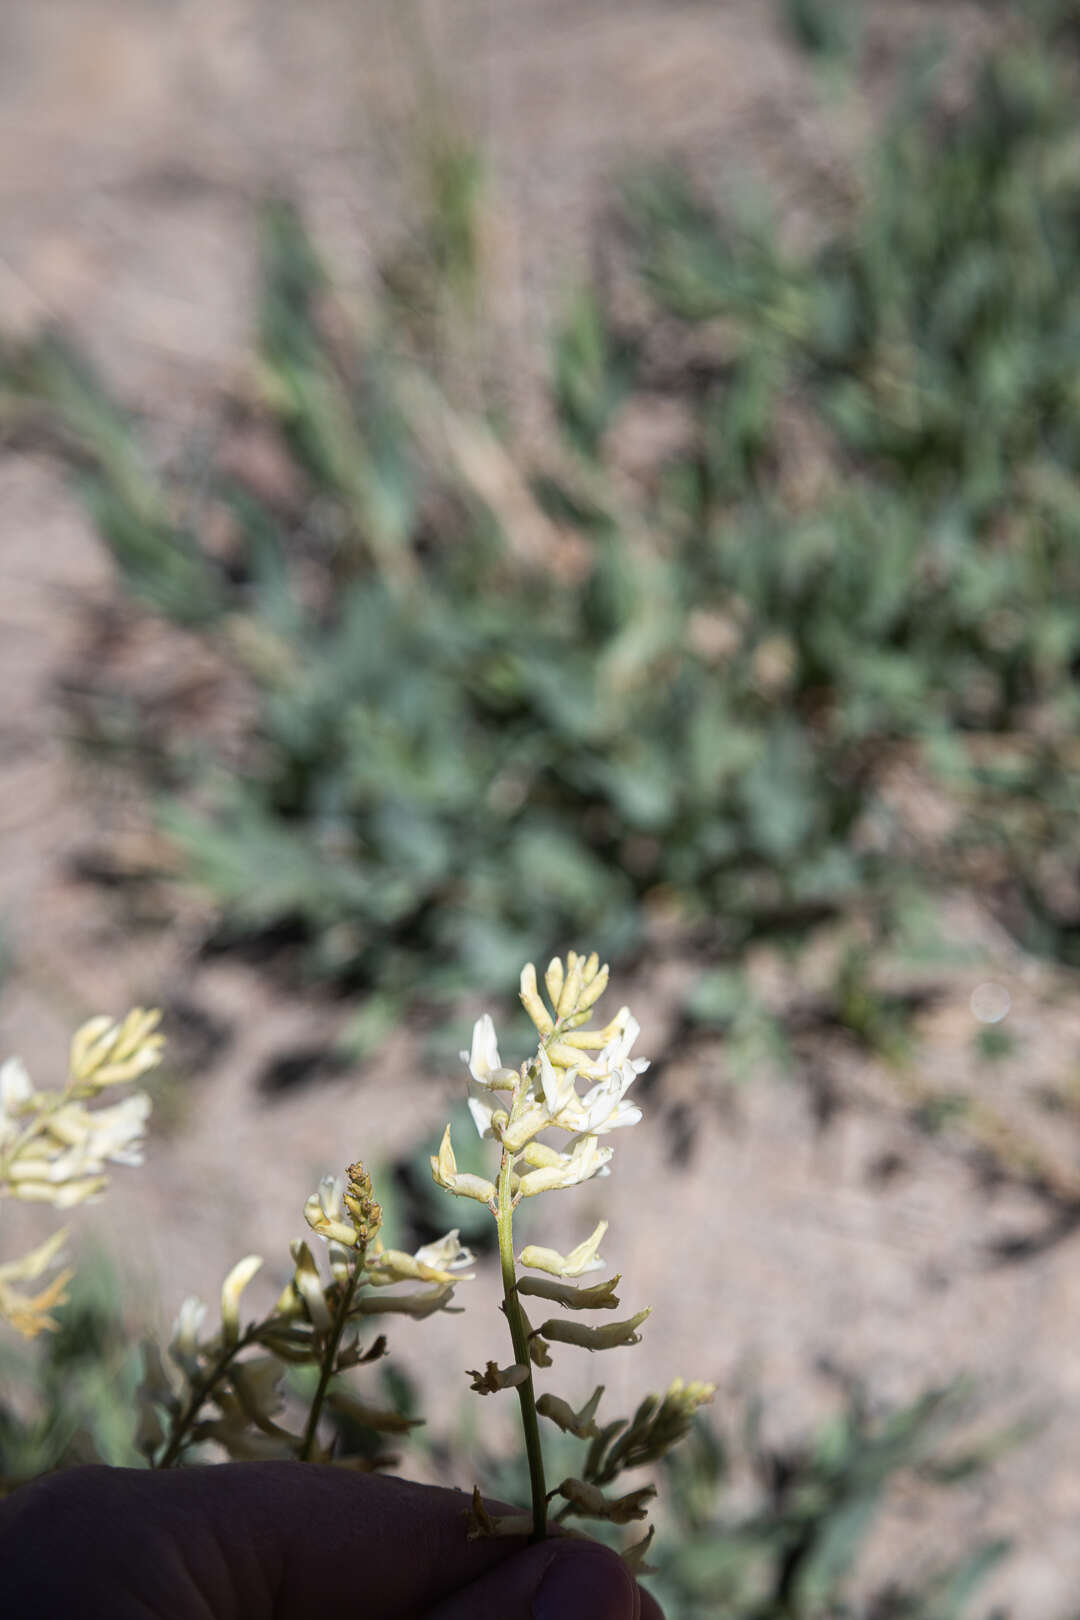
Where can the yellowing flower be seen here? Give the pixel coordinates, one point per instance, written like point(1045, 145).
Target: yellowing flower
point(575, 1264)
point(441, 1262)
point(325, 1214)
point(445, 1173)
point(29, 1313)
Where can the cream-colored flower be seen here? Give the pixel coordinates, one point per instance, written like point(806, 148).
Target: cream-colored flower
point(106, 1053)
point(528, 1118)
point(444, 1261)
point(60, 1194)
point(113, 1134)
point(16, 1088)
point(325, 1213)
point(575, 1264)
point(29, 1313)
point(617, 1052)
point(445, 1173)
point(481, 1112)
point(604, 1106)
point(560, 1094)
point(484, 1062)
point(79, 1141)
point(16, 1091)
point(585, 1160)
point(231, 1289)
point(184, 1343)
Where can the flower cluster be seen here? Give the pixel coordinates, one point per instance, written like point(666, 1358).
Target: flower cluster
point(225, 1385)
point(544, 1093)
point(577, 1083)
point(55, 1146)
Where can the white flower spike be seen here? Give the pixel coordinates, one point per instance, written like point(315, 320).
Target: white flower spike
point(544, 1097)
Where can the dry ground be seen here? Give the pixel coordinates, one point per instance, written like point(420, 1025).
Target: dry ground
point(137, 139)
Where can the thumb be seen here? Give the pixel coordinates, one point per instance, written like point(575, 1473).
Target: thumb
point(556, 1580)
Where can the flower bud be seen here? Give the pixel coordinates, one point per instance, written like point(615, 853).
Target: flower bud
point(359, 1199)
point(104, 1053)
point(572, 985)
point(553, 979)
point(530, 1000)
point(233, 1286)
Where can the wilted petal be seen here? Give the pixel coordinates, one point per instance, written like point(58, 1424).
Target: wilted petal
point(580, 1424)
point(607, 1337)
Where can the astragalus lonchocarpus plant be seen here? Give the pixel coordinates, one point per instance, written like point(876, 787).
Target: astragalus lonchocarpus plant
point(223, 1389)
point(515, 1108)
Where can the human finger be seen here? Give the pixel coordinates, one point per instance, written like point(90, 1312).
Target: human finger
point(270, 1539)
point(556, 1580)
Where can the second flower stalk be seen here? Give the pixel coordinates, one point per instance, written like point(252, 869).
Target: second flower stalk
point(543, 1095)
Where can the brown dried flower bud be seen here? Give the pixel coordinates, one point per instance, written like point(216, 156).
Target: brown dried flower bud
point(360, 1201)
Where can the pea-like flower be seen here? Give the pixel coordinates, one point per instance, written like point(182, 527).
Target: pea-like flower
point(575, 1264)
point(325, 1213)
point(585, 1160)
point(445, 1173)
point(443, 1261)
point(484, 1063)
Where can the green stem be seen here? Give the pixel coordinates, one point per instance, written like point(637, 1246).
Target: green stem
point(200, 1392)
point(330, 1350)
point(519, 1333)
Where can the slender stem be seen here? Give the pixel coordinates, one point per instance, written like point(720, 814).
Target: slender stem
point(200, 1392)
point(520, 1336)
point(329, 1357)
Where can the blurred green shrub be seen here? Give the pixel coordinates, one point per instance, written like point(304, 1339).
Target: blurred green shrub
point(861, 545)
point(70, 1396)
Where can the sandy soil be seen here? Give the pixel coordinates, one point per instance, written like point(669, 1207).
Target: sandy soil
point(137, 140)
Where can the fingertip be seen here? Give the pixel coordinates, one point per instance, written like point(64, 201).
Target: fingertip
point(556, 1580)
point(586, 1582)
